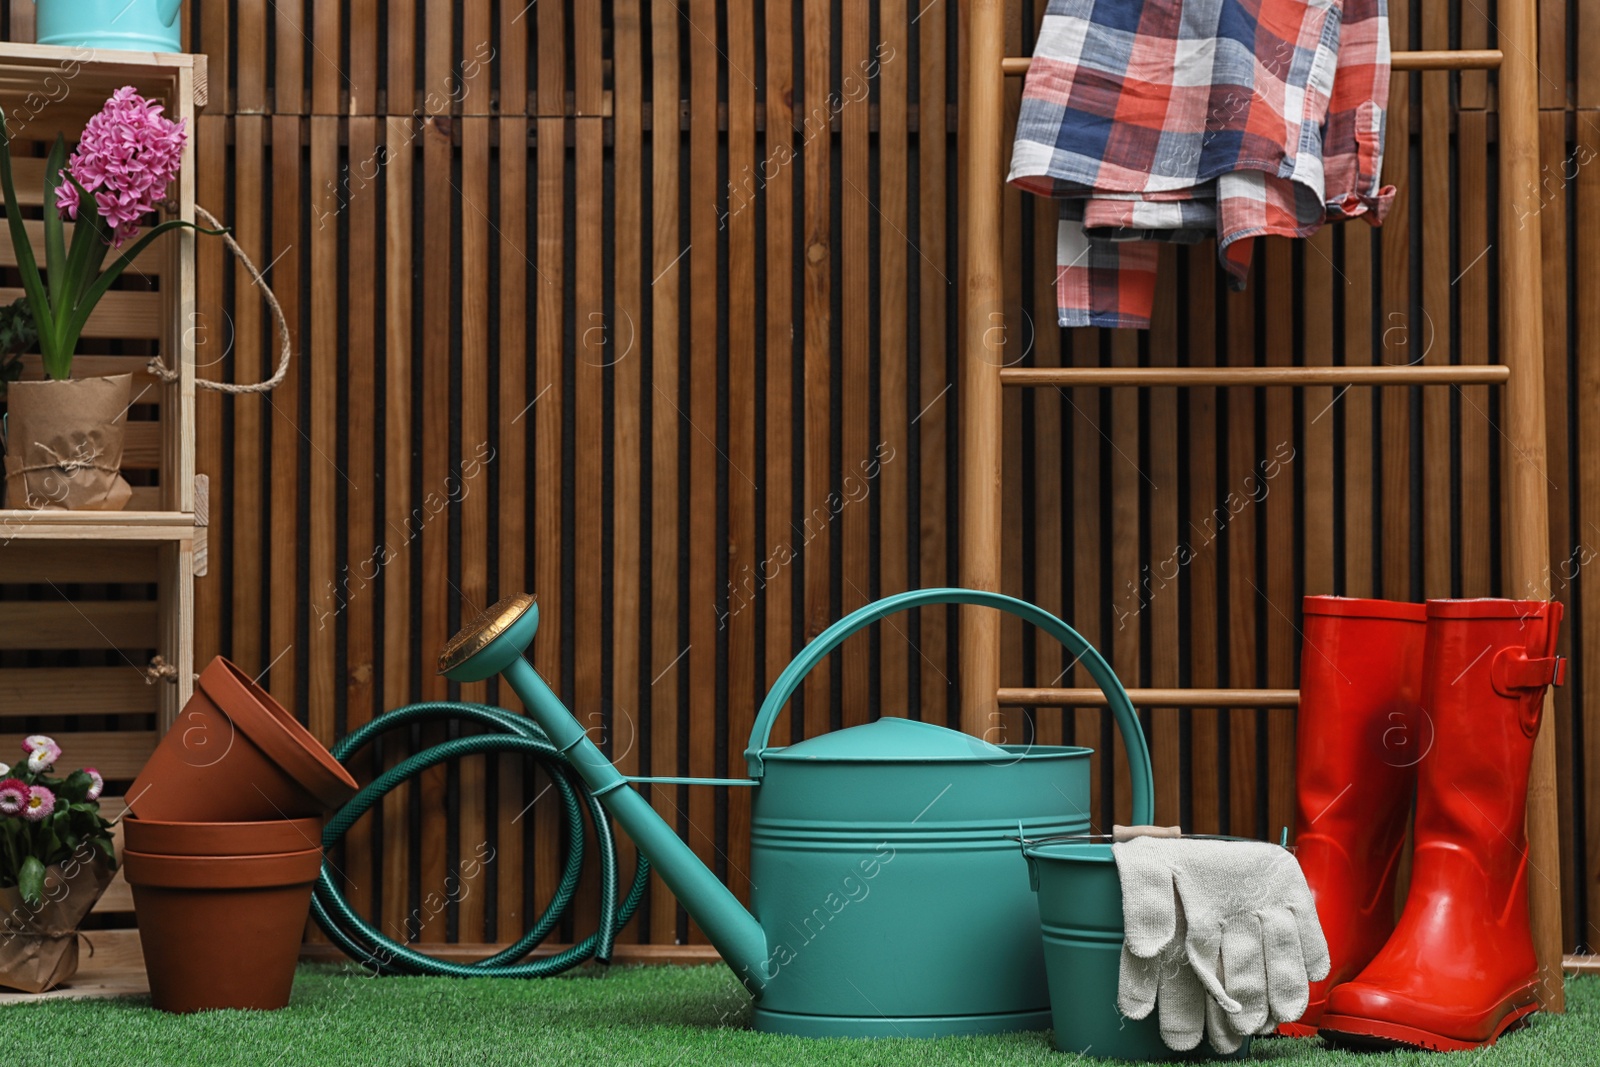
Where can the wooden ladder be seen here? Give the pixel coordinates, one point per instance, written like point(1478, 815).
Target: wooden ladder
point(984, 376)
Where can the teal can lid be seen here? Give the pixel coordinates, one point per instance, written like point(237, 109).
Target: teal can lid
point(892, 738)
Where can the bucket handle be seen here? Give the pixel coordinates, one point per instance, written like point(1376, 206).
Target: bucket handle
point(1121, 707)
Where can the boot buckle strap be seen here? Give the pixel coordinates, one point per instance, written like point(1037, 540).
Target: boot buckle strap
point(1514, 670)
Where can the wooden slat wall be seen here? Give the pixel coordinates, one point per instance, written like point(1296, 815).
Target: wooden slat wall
point(616, 304)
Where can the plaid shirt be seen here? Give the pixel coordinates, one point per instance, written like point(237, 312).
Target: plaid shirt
point(1182, 120)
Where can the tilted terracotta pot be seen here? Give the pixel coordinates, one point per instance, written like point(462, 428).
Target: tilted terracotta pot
point(221, 931)
point(235, 755)
point(221, 838)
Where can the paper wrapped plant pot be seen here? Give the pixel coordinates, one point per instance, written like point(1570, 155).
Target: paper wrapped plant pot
point(63, 444)
point(39, 945)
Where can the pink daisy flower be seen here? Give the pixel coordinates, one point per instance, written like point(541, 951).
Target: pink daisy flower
point(41, 802)
point(13, 796)
point(97, 784)
point(33, 743)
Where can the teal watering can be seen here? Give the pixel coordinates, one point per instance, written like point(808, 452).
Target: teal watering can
point(133, 25)
point(888, 896)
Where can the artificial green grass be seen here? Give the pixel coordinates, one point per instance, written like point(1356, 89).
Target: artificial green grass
point(670, 1016)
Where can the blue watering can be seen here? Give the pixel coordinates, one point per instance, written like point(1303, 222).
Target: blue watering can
point(130, 25)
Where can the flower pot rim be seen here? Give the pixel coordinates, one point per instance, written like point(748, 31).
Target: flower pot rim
point(220, 837)
point(157, 870)
point(276, 732)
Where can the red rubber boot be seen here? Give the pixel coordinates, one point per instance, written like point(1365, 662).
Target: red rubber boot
point(1460, 969)
point(1358, 739)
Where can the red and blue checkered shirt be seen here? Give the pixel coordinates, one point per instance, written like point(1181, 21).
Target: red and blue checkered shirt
point(1182, 120)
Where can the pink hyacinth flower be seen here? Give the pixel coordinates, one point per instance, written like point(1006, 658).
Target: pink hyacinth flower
point(128, 155)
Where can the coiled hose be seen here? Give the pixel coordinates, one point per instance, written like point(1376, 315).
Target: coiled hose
point(510, 732)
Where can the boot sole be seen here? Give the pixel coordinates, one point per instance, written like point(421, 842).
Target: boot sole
point(1350, 1031)
point(1296, 1030)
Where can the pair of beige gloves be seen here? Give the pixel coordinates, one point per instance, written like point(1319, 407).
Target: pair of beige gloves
point(1221, 937)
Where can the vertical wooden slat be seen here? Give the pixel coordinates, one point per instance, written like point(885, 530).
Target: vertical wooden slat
point(1243, 596)
point(1473, 282)
point(513, 480)
point(213, 42)
point(511, 57)
point(666, 272)
point(475, 52)
point(816, 320)
point(364, 559)
point(597, 333)
point(401, 78)
point(782, 541)
point(1160, 565)
point(1206, 756)
point(548, 401)
point(329, 80)
point(322, 432)
point(396, 577)
point(251, 73)
point(1275, 469)
point(701, 412)
point(890, 59)
point(1405, 330)
point(432, 628)
point(1359, 410)
point(246, 530)
point(1315, 458)
point(288, 244)
point(627, 444)
point(855, 260)
point(742, 549)
point(363, 85)
point(552, 55)
point(291, 37)
point(1434, 347)
point(473, 589)
point(1128, 481)
point(213, 334)
point(936, 397)
point(1090, 557)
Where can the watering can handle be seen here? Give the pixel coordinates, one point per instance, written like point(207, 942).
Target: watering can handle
point(168, 10)
point(1085, 653)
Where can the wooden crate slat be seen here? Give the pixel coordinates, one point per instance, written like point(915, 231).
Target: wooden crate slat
point(76, 691)
point(150, 262)
point(146, 388)
point(119, 755)
point(122, 314)
point(44, 624)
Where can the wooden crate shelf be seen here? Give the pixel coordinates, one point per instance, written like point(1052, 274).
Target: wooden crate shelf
point(89, 599)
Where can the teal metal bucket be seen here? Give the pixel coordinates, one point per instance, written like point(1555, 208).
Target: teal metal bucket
point(1080, 909)
point(128, 25)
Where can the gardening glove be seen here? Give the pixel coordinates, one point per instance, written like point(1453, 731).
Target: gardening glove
point(1164, 981)
point(1251, 932)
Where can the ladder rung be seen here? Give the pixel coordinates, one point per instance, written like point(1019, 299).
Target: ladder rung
point(1459, 59)
point(1146, 377)
point(1153, 698)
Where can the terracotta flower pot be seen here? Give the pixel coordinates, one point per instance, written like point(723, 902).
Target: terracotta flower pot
point(235, 755)
point(221, 838)
point(221, 931)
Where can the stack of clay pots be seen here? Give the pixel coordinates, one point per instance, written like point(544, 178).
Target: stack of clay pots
point(223, 844)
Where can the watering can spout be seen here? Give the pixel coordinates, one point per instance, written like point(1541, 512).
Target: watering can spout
point(493, 644)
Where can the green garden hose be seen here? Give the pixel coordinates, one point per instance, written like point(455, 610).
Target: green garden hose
point(513, 733)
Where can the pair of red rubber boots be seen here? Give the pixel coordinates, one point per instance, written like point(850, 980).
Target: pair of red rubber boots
point(1442, 701)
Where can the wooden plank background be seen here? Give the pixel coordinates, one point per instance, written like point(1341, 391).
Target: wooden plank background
point(647, 307)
